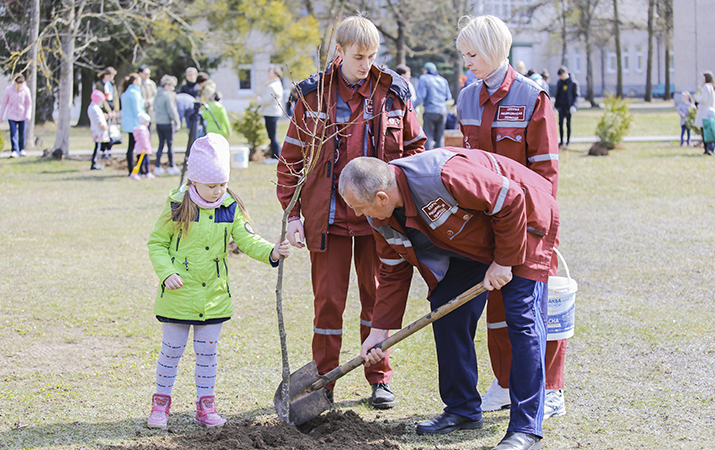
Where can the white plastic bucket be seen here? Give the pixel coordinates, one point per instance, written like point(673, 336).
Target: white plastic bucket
point(562, 304)
point(239, 157)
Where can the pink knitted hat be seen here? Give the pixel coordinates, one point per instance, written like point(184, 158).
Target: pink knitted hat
point(210, 160)
point(98, 96)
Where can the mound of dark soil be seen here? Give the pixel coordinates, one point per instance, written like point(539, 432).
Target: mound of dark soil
point(331, 431)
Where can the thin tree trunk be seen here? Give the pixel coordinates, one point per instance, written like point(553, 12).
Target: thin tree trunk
point(649, 62)
point(668, 95)
point(62, 137)
point(589, 72)
point(400, 57)
point(619, 56)
point(86, 96)
point(32, 71)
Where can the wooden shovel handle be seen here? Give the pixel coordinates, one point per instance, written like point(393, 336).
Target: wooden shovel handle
point(410, 329)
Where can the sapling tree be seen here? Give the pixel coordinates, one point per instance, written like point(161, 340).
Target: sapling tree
point(320, 132)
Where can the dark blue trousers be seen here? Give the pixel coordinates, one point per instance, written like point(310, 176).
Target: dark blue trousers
point(525, 302)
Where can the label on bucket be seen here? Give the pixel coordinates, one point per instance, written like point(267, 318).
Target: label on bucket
point(239, 158)
point(560, 324)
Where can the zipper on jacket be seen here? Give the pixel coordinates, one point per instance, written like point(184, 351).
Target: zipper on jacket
point(225, 267)
point(162, 290)
point(186, 263)
point(218, 274)
point(225, 239)
point(178, 239)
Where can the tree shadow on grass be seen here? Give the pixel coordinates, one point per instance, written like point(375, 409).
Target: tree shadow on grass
point(338, 429)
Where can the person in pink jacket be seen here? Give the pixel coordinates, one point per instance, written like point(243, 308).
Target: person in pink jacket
point(17, 102)
point(142, 137)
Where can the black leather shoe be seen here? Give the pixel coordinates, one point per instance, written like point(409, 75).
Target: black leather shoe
point(382, 396)
point(446, 423)
point(519, 441)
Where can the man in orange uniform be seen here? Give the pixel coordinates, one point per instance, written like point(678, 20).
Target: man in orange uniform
point(460, 217)
point(368, 110)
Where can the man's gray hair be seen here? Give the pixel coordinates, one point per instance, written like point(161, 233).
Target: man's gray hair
point(366, 176)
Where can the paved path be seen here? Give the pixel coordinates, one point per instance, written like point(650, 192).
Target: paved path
point(120, 151)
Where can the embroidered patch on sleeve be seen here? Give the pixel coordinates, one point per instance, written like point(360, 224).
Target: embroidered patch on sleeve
point(435, 209)
point(512, 113)
point(248, 228)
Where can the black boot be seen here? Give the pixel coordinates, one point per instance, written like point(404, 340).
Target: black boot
point(94, 158)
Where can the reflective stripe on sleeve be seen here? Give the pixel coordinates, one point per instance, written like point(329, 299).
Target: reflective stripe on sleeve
point(547, 157)
point(399, 240)
point(365, 323)
point(496, 325)
point(420, 136)
point(502, 196)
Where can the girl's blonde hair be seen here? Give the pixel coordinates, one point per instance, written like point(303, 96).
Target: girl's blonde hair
point(487, 36)
point(358, 30)
point(187, 211)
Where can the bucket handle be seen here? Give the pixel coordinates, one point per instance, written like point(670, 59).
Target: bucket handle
point(562, 260)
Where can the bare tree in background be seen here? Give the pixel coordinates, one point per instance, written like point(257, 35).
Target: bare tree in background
point(587, 10)
point(619, 58)
point(665, 23)
point(32, 69)
point(649, 61)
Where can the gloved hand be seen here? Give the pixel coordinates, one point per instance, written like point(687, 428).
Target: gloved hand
point(572, 109)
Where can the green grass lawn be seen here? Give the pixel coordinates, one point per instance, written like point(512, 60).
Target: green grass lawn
point(78, 339)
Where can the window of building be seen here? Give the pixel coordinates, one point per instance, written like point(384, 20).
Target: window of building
point(626, 56)
point(510, 11)
point(639, 59)
point(611, 64)
point(576, 61)
point(672, 61)
point(244, 78)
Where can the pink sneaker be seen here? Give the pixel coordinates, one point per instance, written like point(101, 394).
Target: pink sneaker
point(149, 176)
point(206, 414)
point(135, 176)
point(160, 405)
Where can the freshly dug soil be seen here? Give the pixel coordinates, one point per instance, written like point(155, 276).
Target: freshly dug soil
point(331, 431)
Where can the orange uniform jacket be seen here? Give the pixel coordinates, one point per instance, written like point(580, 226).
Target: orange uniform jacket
point(521, 234)
point(394, 132)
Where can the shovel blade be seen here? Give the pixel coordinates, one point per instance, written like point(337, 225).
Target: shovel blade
point(305, 402)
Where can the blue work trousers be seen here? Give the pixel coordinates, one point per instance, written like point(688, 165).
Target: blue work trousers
point(17, 135)
point(525, 302)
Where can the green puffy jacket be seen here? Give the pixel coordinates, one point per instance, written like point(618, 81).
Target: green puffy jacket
point(199, 257)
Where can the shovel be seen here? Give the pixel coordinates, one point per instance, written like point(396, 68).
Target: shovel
point(307, 398)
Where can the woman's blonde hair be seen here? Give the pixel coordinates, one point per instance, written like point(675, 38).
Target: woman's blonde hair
point(487, 36)
point(277, 70)
point(358, 30)
point(187, 211)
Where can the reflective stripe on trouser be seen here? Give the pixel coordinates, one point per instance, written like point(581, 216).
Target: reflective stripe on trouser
point(330, 271)
point(500, 347)
point(454, 339)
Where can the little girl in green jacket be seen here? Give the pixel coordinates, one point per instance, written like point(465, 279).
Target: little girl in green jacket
point(188, 249)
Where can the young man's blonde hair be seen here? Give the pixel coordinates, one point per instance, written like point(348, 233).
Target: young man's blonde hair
point(487, 36)
point(358, 30)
